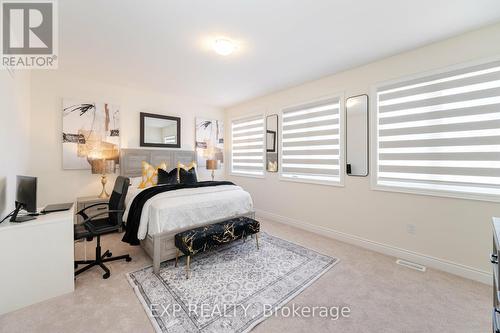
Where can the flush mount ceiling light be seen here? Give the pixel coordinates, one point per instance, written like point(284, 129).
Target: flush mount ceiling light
point(224, 46)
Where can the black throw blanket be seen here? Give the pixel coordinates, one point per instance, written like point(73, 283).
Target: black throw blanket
point(135, 211)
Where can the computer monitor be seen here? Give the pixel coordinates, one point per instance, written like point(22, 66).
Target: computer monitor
point(25, 198)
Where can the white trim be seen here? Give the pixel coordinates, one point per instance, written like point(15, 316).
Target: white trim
point(374, 139)
point(262, 116)
point(246, 115)
point(442, 93)
point(314, 109)
point(435, 71)
point(437, 193)
point(248, 175)
point(373, 135)
point(341, 138)
point(452, 78)
point(411, 265)
point(422, 259)
point(310, 181)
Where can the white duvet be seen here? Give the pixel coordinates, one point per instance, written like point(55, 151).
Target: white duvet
point(172, 210)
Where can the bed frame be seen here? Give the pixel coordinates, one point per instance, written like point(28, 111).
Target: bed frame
point(159, 247)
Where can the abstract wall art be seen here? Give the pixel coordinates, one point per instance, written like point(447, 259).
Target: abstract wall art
point(90, 131)
point(209, 141)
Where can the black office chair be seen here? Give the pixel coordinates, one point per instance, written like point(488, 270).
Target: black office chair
point(93, 226)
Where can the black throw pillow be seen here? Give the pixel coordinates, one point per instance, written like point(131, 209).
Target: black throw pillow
point(188, 176)
point(167, 177)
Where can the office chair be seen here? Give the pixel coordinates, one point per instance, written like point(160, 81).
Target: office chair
point(96, 225)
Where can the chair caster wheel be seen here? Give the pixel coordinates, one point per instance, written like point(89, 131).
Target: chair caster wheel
point(128, 259)
point(105, 276)
point(110, 254)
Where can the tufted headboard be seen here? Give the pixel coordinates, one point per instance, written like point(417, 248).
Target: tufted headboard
point(131, 159)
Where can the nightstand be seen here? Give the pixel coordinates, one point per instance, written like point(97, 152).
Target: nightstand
point(83, 202)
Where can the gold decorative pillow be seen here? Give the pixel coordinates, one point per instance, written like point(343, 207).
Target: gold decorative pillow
point(185, 167)
point(150, 174)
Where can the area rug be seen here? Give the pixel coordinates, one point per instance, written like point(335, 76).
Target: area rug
point(231, 289)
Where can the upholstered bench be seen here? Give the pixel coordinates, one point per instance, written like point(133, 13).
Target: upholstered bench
point(211, 236)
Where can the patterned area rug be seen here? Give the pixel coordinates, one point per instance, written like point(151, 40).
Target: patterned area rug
point(231, 289)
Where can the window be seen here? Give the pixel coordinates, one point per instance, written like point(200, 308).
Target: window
point(311, 142)
point(247, 146)
point(440, 134)
point(170, 139)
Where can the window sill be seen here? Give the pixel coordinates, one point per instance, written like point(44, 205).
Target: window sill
point(437, 193)
point(246, 175)
point(310, 181)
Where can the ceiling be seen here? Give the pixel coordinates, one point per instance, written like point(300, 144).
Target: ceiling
point(161, 45)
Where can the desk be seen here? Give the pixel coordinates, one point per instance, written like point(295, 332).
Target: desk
point(36, 260)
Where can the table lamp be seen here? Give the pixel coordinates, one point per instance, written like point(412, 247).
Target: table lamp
point(101, 166)
point(212, 165)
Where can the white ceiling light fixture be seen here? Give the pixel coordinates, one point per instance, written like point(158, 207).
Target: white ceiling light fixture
point(224, 46)
point(184, 46)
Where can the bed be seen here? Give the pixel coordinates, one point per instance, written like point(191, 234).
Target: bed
point(169, 213)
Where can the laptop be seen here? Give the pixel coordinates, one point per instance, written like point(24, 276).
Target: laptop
point(57, 208)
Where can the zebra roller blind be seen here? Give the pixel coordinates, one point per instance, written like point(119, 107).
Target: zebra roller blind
point(441, 133)
point(247, 146)
point(311, 142)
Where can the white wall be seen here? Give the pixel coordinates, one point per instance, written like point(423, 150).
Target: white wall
point(50, 87)
point(453, 230)
point(154, 134)
point(14, 134)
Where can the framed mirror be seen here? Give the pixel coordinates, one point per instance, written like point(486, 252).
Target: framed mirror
point(357, 136)
point(160, 131)
point(272, 143)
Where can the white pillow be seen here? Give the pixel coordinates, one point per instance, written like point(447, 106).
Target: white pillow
point(135, 181)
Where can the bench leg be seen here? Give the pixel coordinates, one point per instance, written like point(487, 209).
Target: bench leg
point(187, 266)
point(176, 257)
point(257, 240)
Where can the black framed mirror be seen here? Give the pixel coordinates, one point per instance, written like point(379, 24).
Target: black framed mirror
point(160, 131)
point(357, 136)
point(272, 143)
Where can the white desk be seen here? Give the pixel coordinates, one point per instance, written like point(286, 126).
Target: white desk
point(36, 260)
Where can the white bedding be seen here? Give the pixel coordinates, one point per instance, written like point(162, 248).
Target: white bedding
point(172, 210)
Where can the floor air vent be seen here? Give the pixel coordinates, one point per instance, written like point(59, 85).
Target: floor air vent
point(411, 265)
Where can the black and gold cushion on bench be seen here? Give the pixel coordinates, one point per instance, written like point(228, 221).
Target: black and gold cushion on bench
point(208, 237)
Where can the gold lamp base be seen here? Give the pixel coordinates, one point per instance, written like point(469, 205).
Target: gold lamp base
point(104, 194)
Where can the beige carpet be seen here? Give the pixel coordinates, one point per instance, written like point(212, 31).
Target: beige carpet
point(382, 296)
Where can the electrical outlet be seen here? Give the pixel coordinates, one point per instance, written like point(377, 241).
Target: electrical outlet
point(411, 229)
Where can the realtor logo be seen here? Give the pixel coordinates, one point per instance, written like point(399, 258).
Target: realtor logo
point(29, 34)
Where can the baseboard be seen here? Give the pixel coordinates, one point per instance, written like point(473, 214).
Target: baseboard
point(432, 262)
